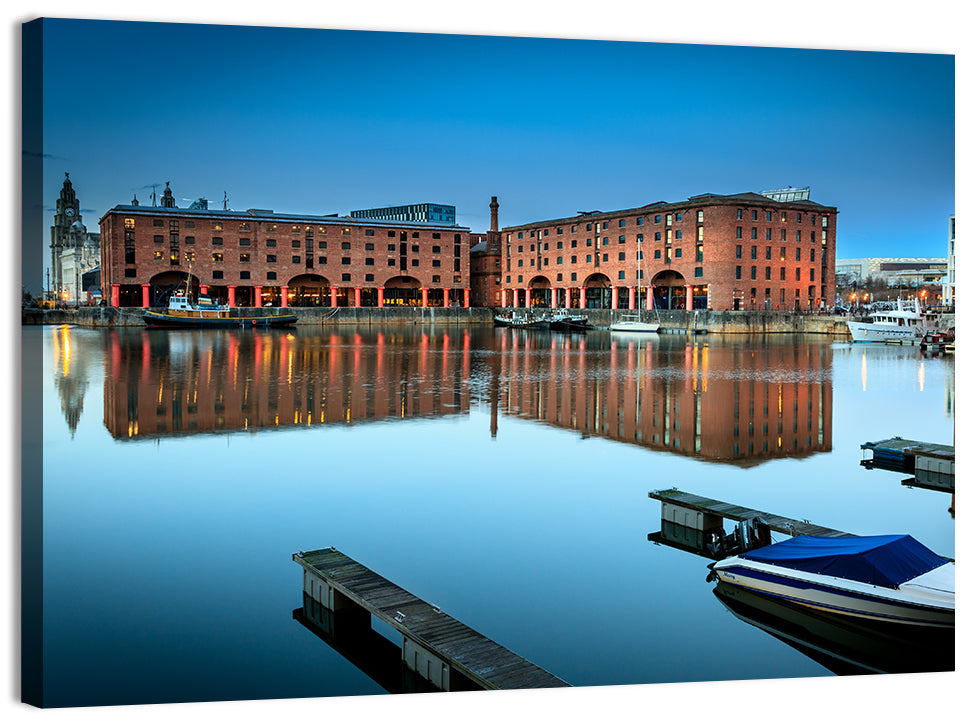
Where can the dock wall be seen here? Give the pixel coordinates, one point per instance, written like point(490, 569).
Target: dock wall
point(681, 321)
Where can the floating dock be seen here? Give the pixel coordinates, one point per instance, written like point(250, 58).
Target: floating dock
point(902, 454)
point(434, 645)
point(701, 514)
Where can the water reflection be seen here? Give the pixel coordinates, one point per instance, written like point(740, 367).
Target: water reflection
point(716, 399)
point(843, 646)
point(71, 374)
point(174, 382)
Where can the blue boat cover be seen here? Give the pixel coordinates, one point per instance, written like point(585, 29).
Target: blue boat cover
point(879, 560)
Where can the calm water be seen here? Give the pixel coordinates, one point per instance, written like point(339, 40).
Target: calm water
point(499, 474)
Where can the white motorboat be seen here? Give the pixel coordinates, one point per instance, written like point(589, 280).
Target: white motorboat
point(891, 578)
point(906, 323)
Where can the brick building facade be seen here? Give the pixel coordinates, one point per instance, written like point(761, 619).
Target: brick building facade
point(258, 257)
point(721, 252)
point(486, 263)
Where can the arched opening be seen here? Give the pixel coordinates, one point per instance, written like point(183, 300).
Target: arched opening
point(540, 292)
point(402, 290)
point(309, 290)
point(164, 284)
point(669, 290)
point(599, 291)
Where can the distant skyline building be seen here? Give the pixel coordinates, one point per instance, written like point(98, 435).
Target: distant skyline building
point(74, 252)
point(949, 287)
point(418, 213)
point(893, 271)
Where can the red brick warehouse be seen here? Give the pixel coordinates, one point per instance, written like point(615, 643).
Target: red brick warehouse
point(773, 251)
point(258, 257)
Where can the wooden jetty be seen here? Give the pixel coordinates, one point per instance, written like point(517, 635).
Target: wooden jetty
point(902, 454)
point(687, 510)
point(434, 644)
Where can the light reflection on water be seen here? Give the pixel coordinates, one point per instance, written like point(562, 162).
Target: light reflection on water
point(500, 474)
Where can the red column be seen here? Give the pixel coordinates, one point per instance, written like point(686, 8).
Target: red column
point(632, 299)
point(568, 292)
point(333, 300)
point(515, 297)
point(115, 295)
point(649, 297)
point(381, 297)
point(582, 297)
point(358, 297)
point(257, 296)
point(445, 299)
point(552, 298)
point(203, 290)
point(528, 297)
point(689, 297)
point(231, 289)
point(505, 294)
point(425, 297)
point(145, 295)
point(615, 298)
point(465, 297)
point(284, 296)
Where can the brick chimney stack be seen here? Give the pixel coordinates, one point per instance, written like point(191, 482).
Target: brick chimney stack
point(494, 213)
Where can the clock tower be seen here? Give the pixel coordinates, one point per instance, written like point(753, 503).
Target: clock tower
point(66, 214)
point(73, 251)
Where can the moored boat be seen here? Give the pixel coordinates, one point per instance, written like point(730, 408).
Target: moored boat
point(181, 312)
point(905, 324)
point(891, 578)
point(561, 320)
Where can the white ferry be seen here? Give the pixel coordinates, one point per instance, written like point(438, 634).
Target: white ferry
point(907, 323)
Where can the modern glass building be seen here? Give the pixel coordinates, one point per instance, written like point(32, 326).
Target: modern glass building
point(420, 213)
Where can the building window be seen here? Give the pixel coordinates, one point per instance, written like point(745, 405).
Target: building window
point(415, 262)
point(218, 274)
point(656, 253)
point(346, 261)
point(371, 261)
point(369, 232)
point(658, 237)
point(271, 259)
point(217, 241)
point(436, 236)
point(753, 214)
point(245, 275)
point(346, 277)
point(271, 243)
point(766, 272)
point(678, 253)
point(189, 256)
point(217, 257)
point(271, 275)
point(158, 255)
point(158, 238)
point(768, 252)
point(698, 271)
point(346, 246)
point(369, 246)
point(752, 272)
point(572, 277)
point(739, 213)
point(158, 223)
point(189, 240)
point(244, 241)
point(369, 277)
point(739, 272)
point(783, 273)
point(296, 259)
point(752, 252)
point(391, 262)
point(739, 251)
point(739, 231)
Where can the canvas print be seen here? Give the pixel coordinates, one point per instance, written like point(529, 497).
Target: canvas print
point(372, 362)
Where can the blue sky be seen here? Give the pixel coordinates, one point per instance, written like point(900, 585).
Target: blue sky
point(319, 121)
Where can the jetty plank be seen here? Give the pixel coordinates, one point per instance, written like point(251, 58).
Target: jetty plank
point(477, 657)
point(733, 512)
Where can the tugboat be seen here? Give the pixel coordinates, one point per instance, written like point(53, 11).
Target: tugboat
point(205, 313)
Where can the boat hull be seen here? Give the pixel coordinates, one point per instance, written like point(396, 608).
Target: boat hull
point(635, 326)
point(880, 332)
point(167, 320)
point(910, 606)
